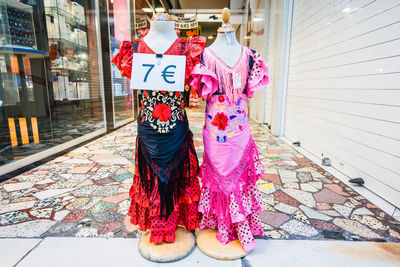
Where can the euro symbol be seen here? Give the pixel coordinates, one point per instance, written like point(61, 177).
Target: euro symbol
point(167, 74)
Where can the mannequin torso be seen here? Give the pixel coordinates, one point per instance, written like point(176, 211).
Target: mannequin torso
point(227, 48)
point(161, 36)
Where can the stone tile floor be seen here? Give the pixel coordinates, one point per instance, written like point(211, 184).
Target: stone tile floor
point(84, 193)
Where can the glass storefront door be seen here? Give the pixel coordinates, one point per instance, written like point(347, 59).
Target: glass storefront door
point(120, 29)
point(50, 91)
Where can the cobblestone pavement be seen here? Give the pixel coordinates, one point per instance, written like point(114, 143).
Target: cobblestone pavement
point(84, 193)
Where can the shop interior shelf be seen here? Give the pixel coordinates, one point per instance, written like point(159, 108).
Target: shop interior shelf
point(68, 44)
point(26, 51)
point(69, 18)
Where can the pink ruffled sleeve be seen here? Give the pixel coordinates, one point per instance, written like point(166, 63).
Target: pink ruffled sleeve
point(123, 59)
point(204, 81)
point(259, 74)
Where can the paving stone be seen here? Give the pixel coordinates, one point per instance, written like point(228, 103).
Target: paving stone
point(343, 210)
point(284, 174)
point(300, 216)
point(101, 207)
point(295, 227)
point(42, 213)
point(333, 213)
point(337, 189)
point(273, 218)
point(317, 185)
point(76, 178)
point(46, 203)
point(109, 217)
point(51, 193)
point(291, 185)
point(269, 199)
point(304, 177)
point(3, 195)
point(349, 204)
point(105, 181)
point(111, 160)
point(108, 227)
point(93, 201)
point(77, 203)
point(370, 221)
point(45, 181)
point(308, 187)
point(16, 206)
point(280, 196)
point(123, 206)
point(13, 217)
point(75, 216)
point(82, 169)
point(362, 211)
point(267, 188)
point(23, 193)
point(105, 191)
point(23, 199)
point(129, 226)
point(322, 225)
point(17, 186)
point(311, 213)
point(87, 232)
point(286, 208)
point(85, 190)
point(117, 198)
point(355, 228)
point(303, 197)
point(26, 229)
point(58, 216)
point(323, 206)
point(123, 176)
point(276, 234)
point(327, 196)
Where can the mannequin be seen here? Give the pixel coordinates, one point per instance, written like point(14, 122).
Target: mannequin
point(230, 201)
point(165, 189)
point(226, 47)
point(161, 36)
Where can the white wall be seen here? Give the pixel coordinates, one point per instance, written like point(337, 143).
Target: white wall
point(343, 95)
point(257, 39)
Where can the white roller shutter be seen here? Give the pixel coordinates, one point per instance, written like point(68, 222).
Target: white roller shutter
point(343, 96)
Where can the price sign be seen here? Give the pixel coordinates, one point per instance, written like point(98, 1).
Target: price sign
point(158, 72)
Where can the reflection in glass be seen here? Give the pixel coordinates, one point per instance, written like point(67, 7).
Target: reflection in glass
point(120, 30)
point(49, 75)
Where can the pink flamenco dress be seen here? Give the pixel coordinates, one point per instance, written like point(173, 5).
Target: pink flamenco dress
point(230, 200)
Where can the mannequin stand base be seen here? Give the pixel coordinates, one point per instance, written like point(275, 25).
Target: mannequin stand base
point(208, 244)
point(167, 252)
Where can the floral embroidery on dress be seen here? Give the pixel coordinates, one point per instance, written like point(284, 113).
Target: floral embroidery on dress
point(162, 109)
point(223, 119)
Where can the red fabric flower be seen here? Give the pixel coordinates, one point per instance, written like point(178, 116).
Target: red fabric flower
point(177, 94)
point(220, 120)
point(221, 99)
point(162, 112)
point(145, 93)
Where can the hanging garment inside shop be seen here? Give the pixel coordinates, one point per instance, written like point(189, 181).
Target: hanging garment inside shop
point(165, 190)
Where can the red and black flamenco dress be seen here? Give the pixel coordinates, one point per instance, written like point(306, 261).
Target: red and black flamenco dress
point(165, 190)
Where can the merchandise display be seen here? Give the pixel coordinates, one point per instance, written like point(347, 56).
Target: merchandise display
point(16, 25)
point(67, 33)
